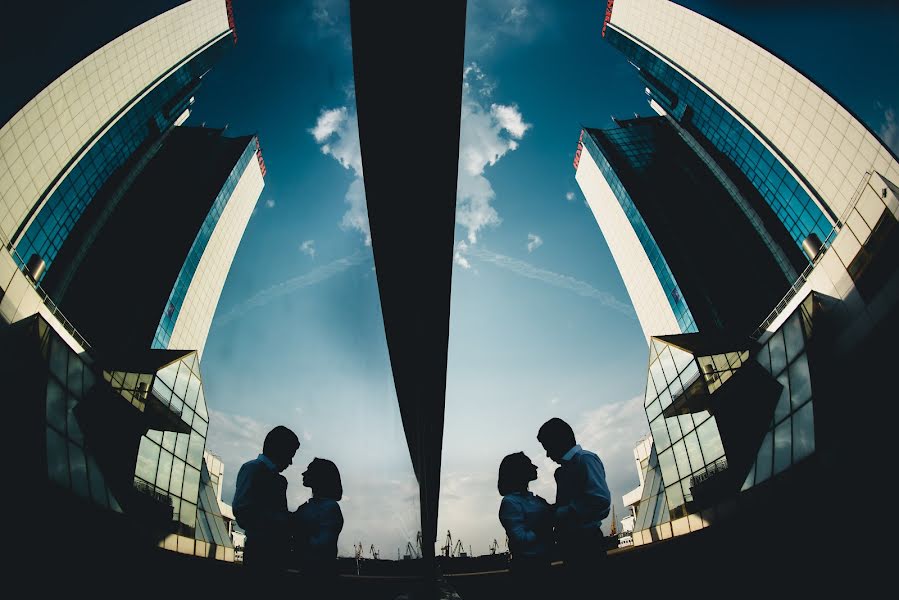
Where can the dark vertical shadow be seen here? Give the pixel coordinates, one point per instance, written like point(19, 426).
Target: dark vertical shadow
point(407, 61)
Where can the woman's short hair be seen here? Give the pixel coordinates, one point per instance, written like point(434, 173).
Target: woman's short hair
point(324, 479)
point(514, 473)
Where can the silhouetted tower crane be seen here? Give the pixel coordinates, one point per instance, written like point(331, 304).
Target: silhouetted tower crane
point(374, 553)
point(494, 546)
point(447, 548)
point(613, 530)
point(459, 550)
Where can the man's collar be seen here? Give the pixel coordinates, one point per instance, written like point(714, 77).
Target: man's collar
point(570, 454)
point(268, 462)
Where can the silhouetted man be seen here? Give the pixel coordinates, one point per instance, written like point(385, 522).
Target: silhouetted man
point(582, 502)
point(260, 501)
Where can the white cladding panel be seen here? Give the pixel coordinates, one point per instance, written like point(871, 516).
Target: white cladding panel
point(646, 293)
point(824, 143)
point(195, 316)
point(39, 141)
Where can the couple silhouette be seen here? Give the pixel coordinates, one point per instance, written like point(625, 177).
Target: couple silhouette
point(277, 538)
point(570, 528)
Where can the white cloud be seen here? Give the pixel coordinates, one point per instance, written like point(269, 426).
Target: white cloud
point(235, 439)
point(555, 400)
point(337, 133)
point(270, 203)
point(308, 247)
point(534, 242)
point(889, 130)
point(493, 22)
point(565, 282)
point(569, 196)
point(317, 275)
point(307, 436)
point(486, 135)
point(509, 118)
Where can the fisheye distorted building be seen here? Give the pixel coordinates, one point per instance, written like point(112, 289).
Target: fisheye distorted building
point(737, 410)
point(111, 209)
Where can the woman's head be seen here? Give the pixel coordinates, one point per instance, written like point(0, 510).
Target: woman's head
point(515, 471)
point(323, 477)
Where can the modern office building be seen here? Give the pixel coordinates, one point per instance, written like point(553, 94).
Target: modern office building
point(86, 135)
point(631, 500)
point(153, 273)
point(682, 240)
point(745, 420)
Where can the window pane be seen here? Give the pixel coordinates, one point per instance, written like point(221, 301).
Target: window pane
point(800, 381)
point(165, 470)
point(778, 353)
point(692, 443)
point(195, 449)
point(683, 463)
point(56, 406)
point(783, 446)
point(147, 460)
point(710, 441)
point(803, 432)
point(660, 434)
point(177, 478)
point(57, 458)
point(669, 468)
point(793, 340)
point(783, 403)
point(675, 497)
point(191, 484)
point(763, 461)
point(78, 470)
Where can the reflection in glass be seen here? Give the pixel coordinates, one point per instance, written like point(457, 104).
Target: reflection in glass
point(710, 440)
point(683, 462)
point(57, 458)
point(782, 446)
point(800, 381)
point(783, 403)
point(793, 339)
point(803, 432)
point(778, 352)
point(668, 466)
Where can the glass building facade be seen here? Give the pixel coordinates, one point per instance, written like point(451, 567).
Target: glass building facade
point(163, 335)
point(636, 151)
point(115, 150)
point(699, 463)
point(124, 441)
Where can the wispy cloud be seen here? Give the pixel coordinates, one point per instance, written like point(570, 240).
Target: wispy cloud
point(308, 247)
point(569, 196)
point(459, 257)
point(534, 242)
point(332, 20)
point(270, 203)
point(889, 130)
point(565, 282)
point(317, 275)
point(337, 133)
point(493, 22)
point(487, 133)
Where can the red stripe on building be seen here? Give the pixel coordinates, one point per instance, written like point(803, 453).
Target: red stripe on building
point(259, 157)
point(229, 8)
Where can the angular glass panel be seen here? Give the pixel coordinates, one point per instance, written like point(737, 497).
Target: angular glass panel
point(783, 447)
point(191, 484)
point(130, 382)
point(681, 359)
point(57, 458)
point(78, 471)
point(660, 434)
point(800, 381)
point(653, 410)
point(778, 353)
point(59, 355)
point(803, 432)
point(668, 466)
point(675, 497)
point(165, 471)
point(683, 462)
point(56, 406)
point(674, 428)
point(650, 392)
point(75, 382)
point(188, 514)
point(181, 444)
point(177, 479)
point(147, 460)
point(74, 430)
point(686, 423)
point(161, 390)
point(193, 388)
point(657, 376)
point(668, 367)
point(783, 403)
point(793, 340)
point(181, 381)
point(168, 440)
point(201, 405)
point(195, 449)
point(710, 441)
point(750, 479)
point(187, 415)
point(167, 374)
point(693, 451)
point(665, 398)
point(700, 417)
point(690, 373)
point(155, 435)
point(764, 358)
point(763, 462)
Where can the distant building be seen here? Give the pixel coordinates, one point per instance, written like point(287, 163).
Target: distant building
point(631, 500)
point(217, 474)
point(746, 415)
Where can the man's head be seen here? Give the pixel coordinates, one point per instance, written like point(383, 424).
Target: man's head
point(280, 446)
point(557, 438)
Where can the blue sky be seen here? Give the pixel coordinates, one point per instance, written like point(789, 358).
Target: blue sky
point(541, 324)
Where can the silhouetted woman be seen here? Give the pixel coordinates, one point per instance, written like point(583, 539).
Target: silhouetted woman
point(319, 521)
point(527, 519)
